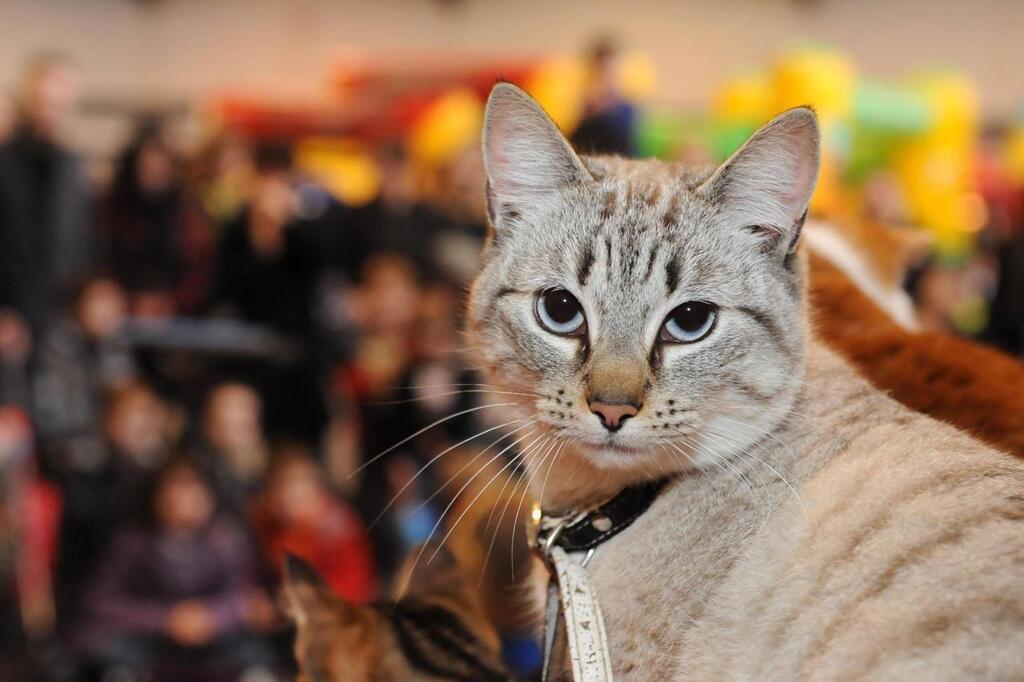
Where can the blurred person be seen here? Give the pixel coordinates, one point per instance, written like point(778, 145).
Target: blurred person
point(138, 432)
point(233, 449)
point(156, 242)
point(45, 231)
point(399, 221)
point(80, 357)
point(29, 515)
point(297, 514)
point(609, 121)
point(177, 597)
point(455, 252)
point(221, 176)
point(439, 381)
point(267, 273)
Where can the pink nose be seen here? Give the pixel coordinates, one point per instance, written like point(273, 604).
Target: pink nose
point(612, 416)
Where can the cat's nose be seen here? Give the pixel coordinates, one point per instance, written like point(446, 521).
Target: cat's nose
point(613, 416)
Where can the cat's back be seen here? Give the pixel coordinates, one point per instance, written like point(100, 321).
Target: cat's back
point(903, 558)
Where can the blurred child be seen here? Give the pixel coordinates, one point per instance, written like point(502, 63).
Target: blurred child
point(233, 449)
point(177, 597)
point(297, 514)
point(79, 359)
point(138, 432)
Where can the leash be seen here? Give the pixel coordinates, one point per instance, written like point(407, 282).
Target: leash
point(566, 544)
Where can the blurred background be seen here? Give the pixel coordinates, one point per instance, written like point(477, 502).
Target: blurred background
point(235, 236)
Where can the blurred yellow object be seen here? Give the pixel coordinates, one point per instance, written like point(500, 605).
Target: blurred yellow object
point(342, 166)
point(637, 76)
point(449, 125)
point(745, 97)
point(820, 77)
point(935, 167)
point(954, 104)
point(558, 85)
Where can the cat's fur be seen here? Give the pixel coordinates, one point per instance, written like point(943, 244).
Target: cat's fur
point(436, 631)
point(816, 528)
point(976, 388)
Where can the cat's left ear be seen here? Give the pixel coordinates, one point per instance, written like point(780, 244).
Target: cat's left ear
point(525, 155)
point(309, 597)
point(767, 185)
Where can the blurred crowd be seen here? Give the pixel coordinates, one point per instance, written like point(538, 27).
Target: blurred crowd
point(199, 360)
point(207, 361)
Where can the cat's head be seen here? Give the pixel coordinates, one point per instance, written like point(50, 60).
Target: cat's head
point(652, 312)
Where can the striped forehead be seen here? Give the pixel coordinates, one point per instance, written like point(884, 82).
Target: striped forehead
point(642, 242)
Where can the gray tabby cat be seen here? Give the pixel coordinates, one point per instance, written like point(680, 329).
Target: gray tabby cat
point(655, 315)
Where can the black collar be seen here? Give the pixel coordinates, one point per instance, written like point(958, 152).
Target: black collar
point(588, 530)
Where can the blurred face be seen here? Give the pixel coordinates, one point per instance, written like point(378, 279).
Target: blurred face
point(233, 417)
point(48, 98)
point(183, 502)
point(436, 334)
point(102, 309)
point(136, 423)
point(155, 169)
point(390, 293)
point(295, 493)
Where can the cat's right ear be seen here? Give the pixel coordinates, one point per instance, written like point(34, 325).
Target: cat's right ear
point(525, 155)
point(307, 593)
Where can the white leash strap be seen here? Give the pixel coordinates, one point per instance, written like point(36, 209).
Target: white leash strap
point(584, 625)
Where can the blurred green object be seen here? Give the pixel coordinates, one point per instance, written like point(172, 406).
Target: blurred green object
point(661, 134)
point(887, 109)
point(728, 136)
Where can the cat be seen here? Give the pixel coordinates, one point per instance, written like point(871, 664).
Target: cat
point(436, 631)
point(655, 317)
point(975, 388)
point(451, 599)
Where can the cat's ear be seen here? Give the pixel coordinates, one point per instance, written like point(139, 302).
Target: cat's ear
point(767, 184)
point(525, 155)
point(309, 597)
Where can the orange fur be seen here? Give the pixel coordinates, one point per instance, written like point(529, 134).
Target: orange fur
point(975, 388)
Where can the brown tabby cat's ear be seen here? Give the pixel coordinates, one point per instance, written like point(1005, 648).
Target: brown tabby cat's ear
point(525, 155)
point(307, 593)
point(767, 184)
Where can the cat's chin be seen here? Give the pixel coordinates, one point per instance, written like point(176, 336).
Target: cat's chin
point(646, 459)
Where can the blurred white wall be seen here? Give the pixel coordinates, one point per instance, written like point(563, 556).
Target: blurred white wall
point(179, 49)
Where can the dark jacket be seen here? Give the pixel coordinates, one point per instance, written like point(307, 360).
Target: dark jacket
point(45, 226)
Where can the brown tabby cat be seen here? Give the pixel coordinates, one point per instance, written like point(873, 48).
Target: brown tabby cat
point(655, 316)
point(436, 631)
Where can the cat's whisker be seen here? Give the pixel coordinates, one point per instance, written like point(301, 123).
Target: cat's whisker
point(490, 516)
point(441, 516)
point(473, 460)
point(793, 490)
point(424, 430)
point(515, 517)
point(522, 499)
point(480, 492)
point(397, 495)
point(434, 396)
point(743, 452)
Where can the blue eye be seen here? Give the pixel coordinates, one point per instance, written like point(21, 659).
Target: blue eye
point(560, 313)
point(690, 322)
